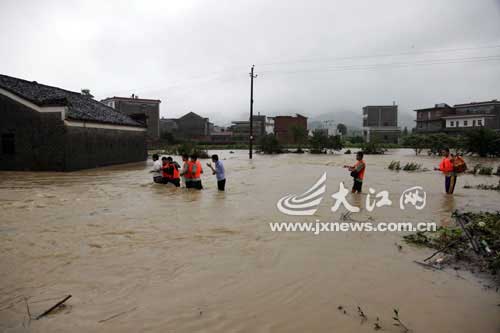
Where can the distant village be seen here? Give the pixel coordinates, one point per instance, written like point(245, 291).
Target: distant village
point(50, 128)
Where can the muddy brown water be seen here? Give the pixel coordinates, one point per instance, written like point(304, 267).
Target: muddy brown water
point(142, 257)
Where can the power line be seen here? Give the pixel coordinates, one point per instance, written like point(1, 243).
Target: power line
point(389, 65)
point(328, 59)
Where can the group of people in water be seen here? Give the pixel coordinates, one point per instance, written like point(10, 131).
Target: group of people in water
point(451, 165)
point(168, 171)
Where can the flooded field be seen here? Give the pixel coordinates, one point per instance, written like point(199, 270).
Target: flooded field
point(138, 256)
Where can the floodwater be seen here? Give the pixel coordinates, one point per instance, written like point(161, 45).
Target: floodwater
point(142, 257)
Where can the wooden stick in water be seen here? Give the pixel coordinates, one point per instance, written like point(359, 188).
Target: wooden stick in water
point(54, 307)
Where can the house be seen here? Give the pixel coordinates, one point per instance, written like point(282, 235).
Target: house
point(49, 128)
point(459, 118)
point(241, 129)
point(430, 120)
point(146, 111)
point(380, 123)
point(191, 126)
point(283, 126)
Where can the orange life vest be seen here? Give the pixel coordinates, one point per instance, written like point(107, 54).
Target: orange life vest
point(164, 172)
point(171, 171)
point(446, 166)
point(175, 173)
point(189, 173)
point(459, 165)
point(361, 174)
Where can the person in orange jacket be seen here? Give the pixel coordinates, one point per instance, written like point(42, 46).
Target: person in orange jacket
point(446, 167)
point(171, 171)
point(357, 172)
point(194, 172)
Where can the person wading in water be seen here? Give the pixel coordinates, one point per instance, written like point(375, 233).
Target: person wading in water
point(357, 172)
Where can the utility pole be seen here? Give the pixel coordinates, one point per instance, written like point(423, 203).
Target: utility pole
point(250, 138)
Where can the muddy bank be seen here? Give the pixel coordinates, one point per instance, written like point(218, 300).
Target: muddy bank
point(188, 261)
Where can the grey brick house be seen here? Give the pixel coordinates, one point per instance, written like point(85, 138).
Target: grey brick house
point(49, 128)
point(146, 111)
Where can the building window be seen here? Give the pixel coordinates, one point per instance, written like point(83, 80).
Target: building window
point(456, 124)
point(473, 122)
point(465, 123)
point(452, 123)
point(479, 122)
point(8, 144)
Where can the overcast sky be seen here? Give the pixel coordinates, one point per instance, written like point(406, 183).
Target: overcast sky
point(312, 57)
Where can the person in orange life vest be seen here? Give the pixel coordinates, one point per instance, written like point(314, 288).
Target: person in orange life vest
point(194, 171)
point(164, 173)
point(172, 174)
point(446, 167)
point(357, 172)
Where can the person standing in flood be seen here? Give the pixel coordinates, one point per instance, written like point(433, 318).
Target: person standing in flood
point(357, 172)
point(185, 166)
point(171, 172)
point(157, 169)
point(446, 167)
point(194, 171)
point(219, 172)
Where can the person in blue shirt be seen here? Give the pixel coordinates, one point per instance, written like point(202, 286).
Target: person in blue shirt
point(219, 172)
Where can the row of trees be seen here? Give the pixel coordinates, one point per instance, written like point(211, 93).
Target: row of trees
point(483, 142)
point(319, 142)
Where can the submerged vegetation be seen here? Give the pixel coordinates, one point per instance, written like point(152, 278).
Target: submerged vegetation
point(480, 169)
point(474, 241)
point(485, 187)
point(410, 166)
point(394, 165)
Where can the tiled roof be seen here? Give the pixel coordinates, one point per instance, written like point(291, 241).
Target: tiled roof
point(492, 102)
point(80, 107)
point(130, 99)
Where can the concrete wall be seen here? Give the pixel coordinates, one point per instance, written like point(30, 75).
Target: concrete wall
point(38, 138)
point(283, 126)
point(192, 126)
point(384, 137)
point(378, 116)
point(95, 147)
point(43, 142)
point(150, 109)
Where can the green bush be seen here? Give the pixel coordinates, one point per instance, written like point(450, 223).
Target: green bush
point(372, 148)
point(268, 144)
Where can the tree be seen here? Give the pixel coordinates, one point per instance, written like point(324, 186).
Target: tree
point(268, 144)
point(482, 141)
point(356, 139)
point(335, 142)
point(299, 135)
point(318, 141)
point(405, 131)
point(342, 129)
point(416, 141)
point(437, 142)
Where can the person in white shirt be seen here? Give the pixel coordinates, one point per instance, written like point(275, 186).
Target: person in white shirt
point(157, 168)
